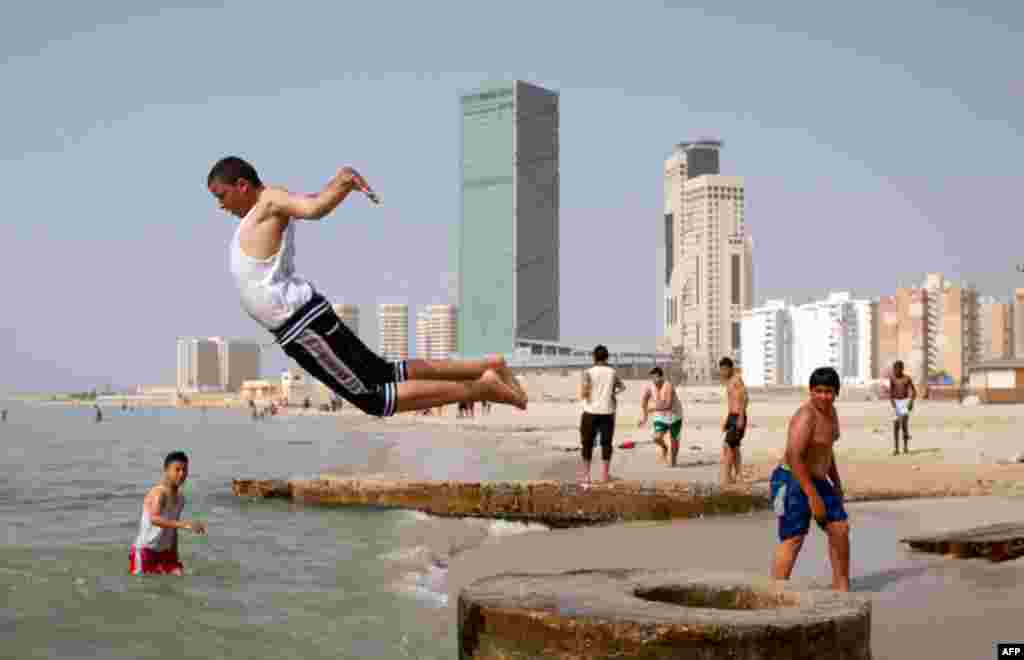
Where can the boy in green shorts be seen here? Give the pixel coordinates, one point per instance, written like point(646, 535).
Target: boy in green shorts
point(661, 398)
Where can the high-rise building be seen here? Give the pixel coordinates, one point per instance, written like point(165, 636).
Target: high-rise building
point(349, 315)
point(888, 335)
point(826, 333)
point(995, 322)
point(437, 332)
point(953, 321)
point(766, 346)
point(238, 360)
point(198, 365)
point(423, 334)
point(394, 331)
point(1018, 323)
point(866, 313)
point(508, 236)
point(708, 258)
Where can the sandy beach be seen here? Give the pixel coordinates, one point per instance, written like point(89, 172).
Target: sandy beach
point(917, 596)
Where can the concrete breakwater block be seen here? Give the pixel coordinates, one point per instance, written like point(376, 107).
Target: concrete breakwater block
point(548, 502)
point(651, 615)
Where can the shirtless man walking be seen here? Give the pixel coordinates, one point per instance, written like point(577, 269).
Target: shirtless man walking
point(735, 424)
point(902, 395)
point(301, 319)
point(806, 484)
point(660, 398)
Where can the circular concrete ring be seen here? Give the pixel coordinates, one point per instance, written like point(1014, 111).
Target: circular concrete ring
point(659, 614)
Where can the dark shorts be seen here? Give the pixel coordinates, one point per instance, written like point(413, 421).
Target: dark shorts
point(592, 426)
point(733, 433)
point(794, 509)
point(326, 348)
point(153, 562)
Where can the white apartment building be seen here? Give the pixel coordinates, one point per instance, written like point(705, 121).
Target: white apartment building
point(766, 346)
point(708, 253)
point(437, 332)
point(394, 331)
point(785, 344)
point(423, 334)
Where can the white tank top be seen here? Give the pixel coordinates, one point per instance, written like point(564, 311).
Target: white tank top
point(271, 291)
point(156, 538)
point(602, 399)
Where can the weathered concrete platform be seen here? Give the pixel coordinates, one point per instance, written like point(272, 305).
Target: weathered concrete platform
point(552, 503)
point(997, 542)
point(659, 614)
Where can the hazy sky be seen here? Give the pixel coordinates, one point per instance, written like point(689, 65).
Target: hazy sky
point(878, 141)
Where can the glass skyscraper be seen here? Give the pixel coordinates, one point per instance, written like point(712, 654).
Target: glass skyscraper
point(507, 238)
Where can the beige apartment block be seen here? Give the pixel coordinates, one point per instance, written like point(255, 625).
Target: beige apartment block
point(349, 315)
point(198, 365)
point(954, 327)
point(423, 334)
point(912, 345)
point(1018, 323)
point(708, 250)
point(394, 331)
point(995, 322)
point(888, 335)
point(444, 331)
point(239, 362)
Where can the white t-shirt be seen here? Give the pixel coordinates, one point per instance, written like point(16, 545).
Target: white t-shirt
point(603, 382)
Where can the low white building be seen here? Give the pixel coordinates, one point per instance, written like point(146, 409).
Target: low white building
point(765, 345)
point(783, 345)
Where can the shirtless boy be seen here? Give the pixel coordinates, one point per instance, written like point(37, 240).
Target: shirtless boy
point(155, 550)
point(735, 424)
point(302, 321)
point(806, 484)
point(902, 395)
point(660, 398)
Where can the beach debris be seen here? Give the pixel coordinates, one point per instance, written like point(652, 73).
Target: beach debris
point(971, 401)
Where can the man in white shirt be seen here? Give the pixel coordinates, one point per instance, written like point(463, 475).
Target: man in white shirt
point(599, 388)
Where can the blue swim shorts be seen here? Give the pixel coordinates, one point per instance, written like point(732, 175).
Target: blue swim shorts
point(794, 509)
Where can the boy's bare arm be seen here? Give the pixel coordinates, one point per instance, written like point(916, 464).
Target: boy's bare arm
point(285, 204)
point(644, 400)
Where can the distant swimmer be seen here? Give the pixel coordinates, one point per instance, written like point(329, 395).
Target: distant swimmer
point(99, 413)
point(303, 322)
point(3, 415)
point(155, 550)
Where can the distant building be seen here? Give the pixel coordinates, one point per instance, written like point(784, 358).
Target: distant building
point(349, 315)
point(239, 361)
point(766, 345)
point(708, 258)
point(508, 236)
point(423, 334)
point(394, 331)
point(953, 320)
point(198, 365)
point(1018, 323)
point(995, 322)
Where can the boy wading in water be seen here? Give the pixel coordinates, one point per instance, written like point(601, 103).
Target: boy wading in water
point(660, 396)
point(302, 321)
point(902, 395)
point(807, 485)
point(155, 550)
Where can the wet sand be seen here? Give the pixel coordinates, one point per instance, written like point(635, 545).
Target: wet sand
point(925, 606)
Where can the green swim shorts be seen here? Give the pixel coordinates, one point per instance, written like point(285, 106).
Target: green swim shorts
point(674, 429)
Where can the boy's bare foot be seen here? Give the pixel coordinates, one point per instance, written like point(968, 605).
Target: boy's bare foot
point(500, 392)
point(510, 379)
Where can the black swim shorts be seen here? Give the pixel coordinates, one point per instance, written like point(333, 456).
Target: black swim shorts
point(326, 348)
point(733, 432)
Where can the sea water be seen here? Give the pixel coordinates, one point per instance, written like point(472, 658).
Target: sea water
point(272, 579)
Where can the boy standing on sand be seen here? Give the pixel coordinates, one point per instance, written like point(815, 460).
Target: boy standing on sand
point(599, 387)
point(806, 484)
point(155, 550)
point(735, 424)
point(668, 413)
point(902, 395)
point(303, 322)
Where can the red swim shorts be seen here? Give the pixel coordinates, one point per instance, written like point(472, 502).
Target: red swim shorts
point(153, 562)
